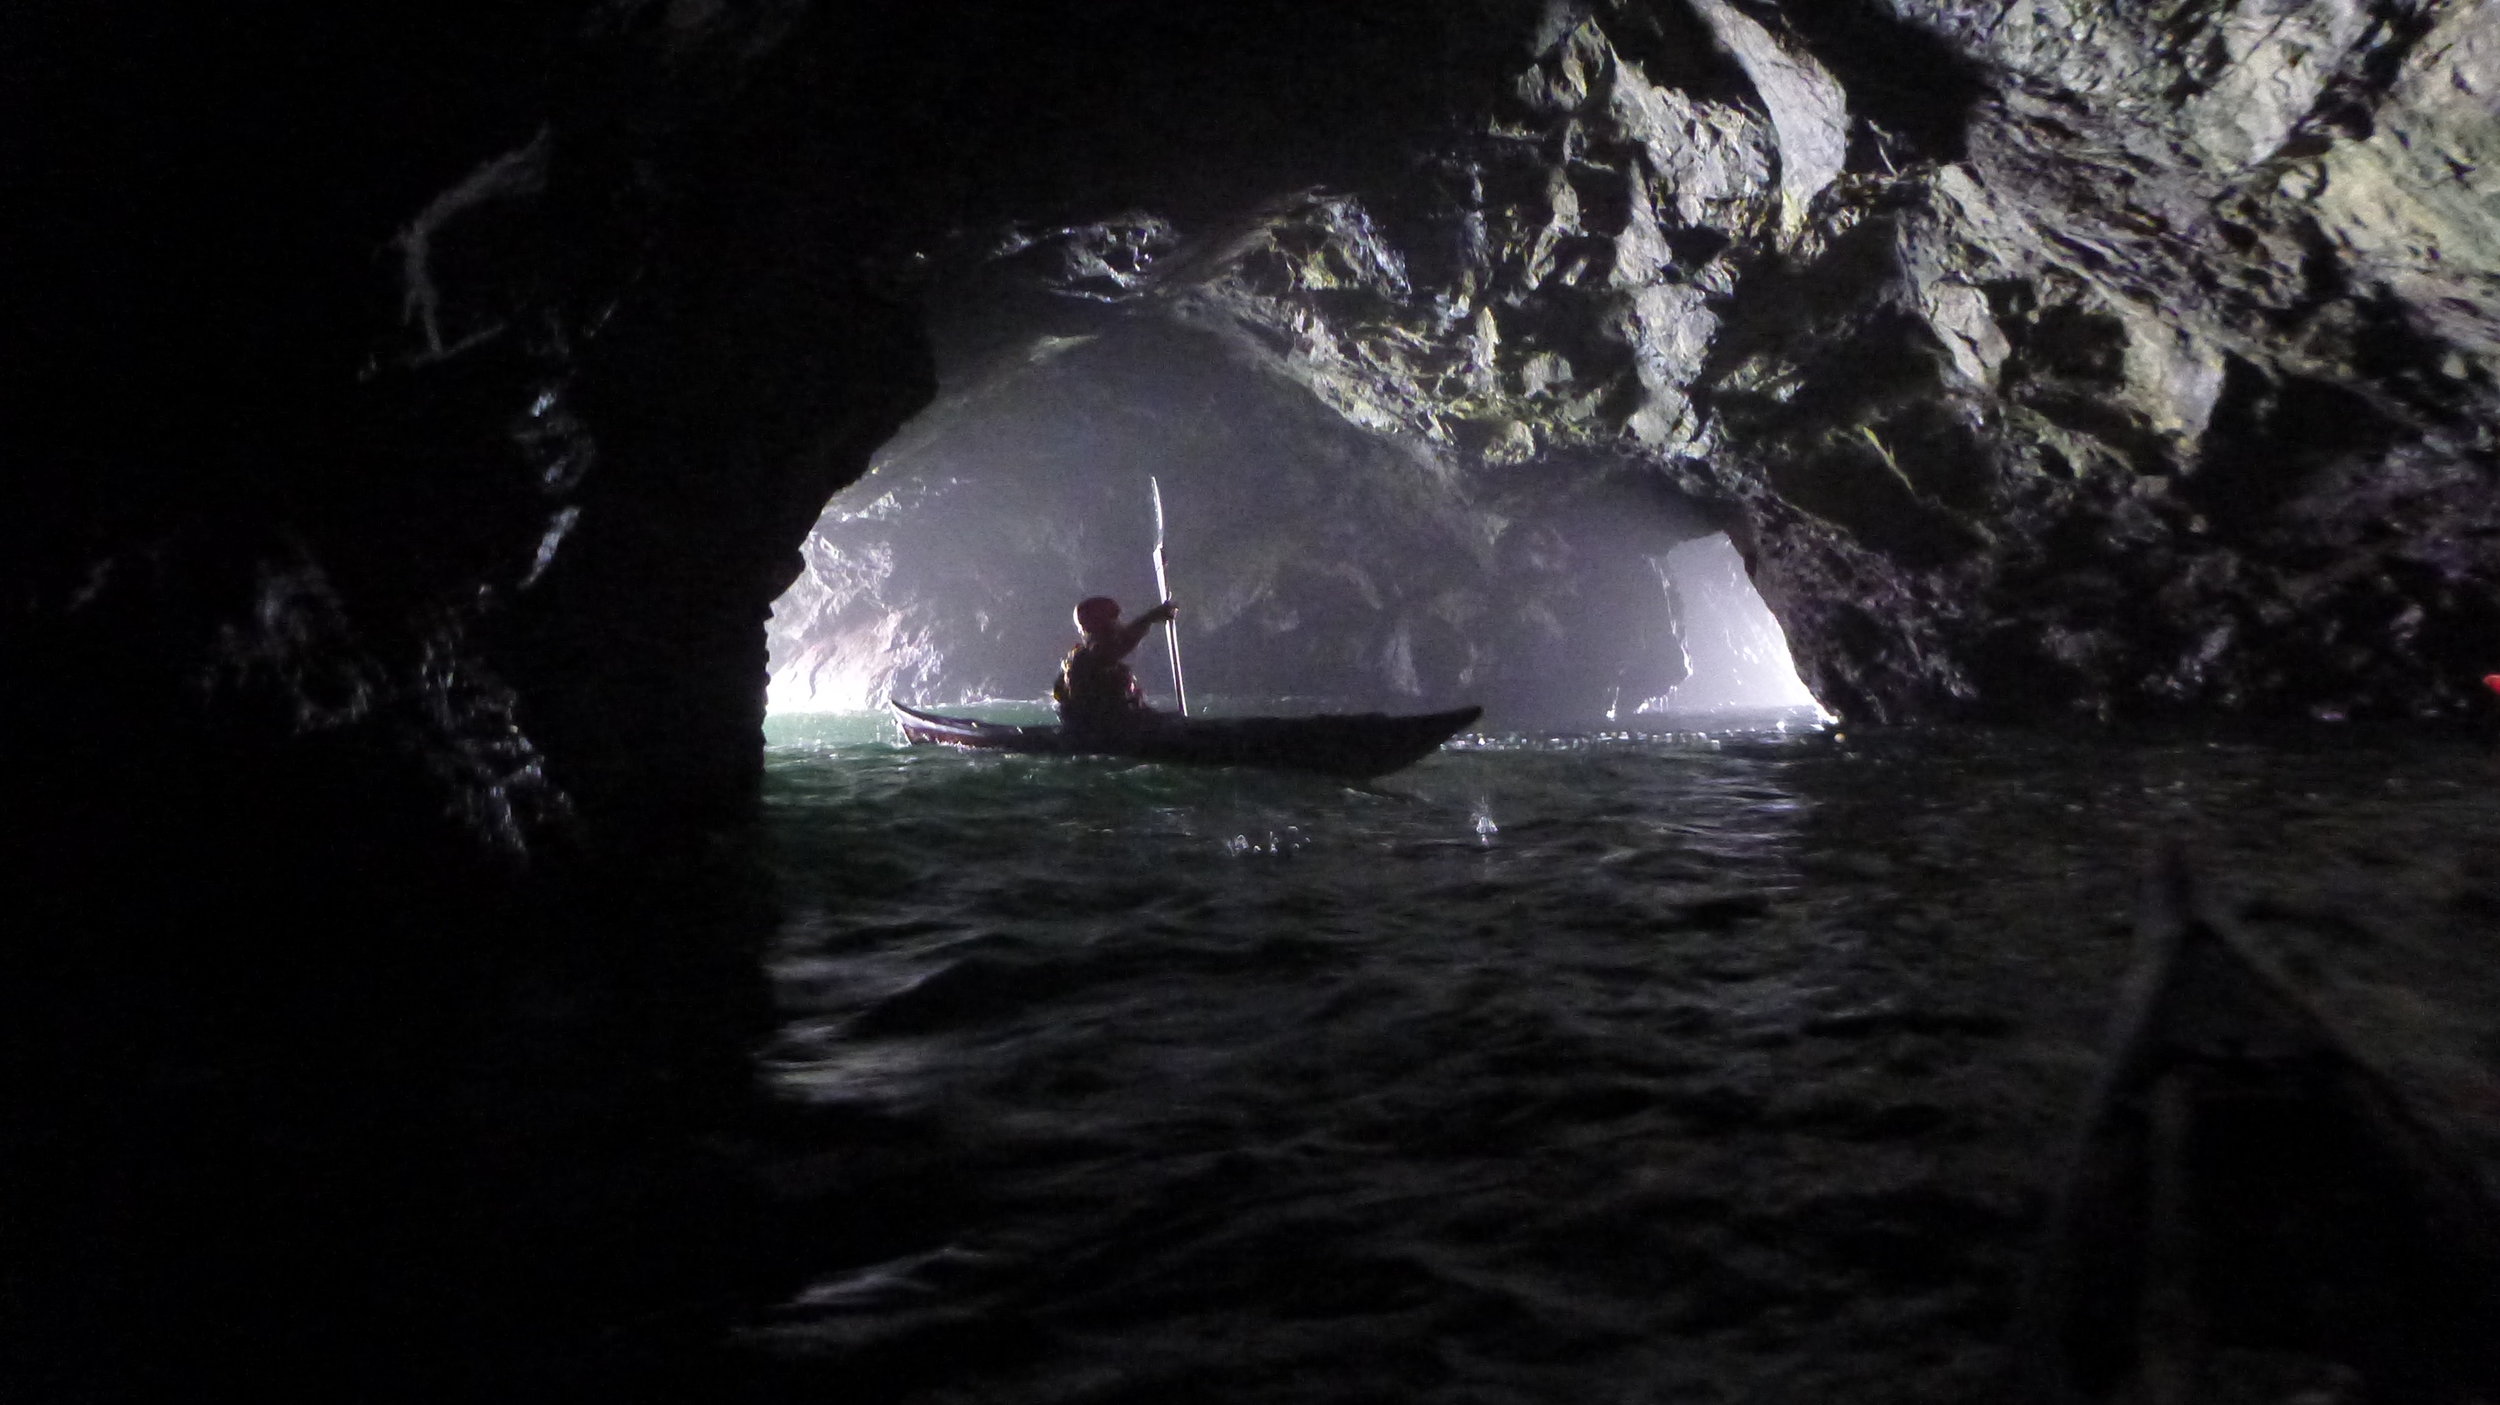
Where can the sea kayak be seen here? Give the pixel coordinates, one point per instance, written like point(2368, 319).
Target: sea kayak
point(1350, 746)
point(2253, 1205)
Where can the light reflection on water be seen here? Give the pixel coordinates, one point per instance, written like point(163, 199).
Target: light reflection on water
point(1583, 1068)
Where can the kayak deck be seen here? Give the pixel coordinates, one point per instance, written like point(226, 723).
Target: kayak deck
point(2249, 1192)
point(1350, 746)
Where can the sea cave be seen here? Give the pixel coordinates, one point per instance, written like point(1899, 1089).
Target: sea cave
point(1974, 529)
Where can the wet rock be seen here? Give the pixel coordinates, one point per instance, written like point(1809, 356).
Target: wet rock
point(2148, 384)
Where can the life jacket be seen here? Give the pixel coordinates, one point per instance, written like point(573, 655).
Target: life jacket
point(1095, 690)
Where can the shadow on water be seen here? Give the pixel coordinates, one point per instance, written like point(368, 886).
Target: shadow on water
point(1703, 1065)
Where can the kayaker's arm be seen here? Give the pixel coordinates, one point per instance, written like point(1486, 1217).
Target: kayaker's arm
point(1133, 633)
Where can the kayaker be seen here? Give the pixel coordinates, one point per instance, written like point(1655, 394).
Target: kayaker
point(1095, 690)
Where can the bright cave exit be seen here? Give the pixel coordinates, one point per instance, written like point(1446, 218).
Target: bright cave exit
point(1320, 566)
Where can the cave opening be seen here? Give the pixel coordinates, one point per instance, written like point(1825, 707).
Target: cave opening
point(1323, 564)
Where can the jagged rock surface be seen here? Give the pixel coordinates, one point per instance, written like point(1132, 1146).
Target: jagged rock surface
point(2119, 367)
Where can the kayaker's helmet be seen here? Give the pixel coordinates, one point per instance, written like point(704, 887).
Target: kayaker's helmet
point(1097, 614)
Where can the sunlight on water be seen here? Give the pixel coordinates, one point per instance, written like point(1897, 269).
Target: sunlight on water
point(853, 679)
point(830, 729)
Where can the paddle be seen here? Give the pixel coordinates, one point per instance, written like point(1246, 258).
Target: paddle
point(1163, 587)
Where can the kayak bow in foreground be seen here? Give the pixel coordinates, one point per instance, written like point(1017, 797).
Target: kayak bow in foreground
point(2255, 1210)
point(1350, 746)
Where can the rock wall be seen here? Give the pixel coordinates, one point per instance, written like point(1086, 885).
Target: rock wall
point(416, 415)
point(2048, 363)
point(2191, 432)
point(385, 583)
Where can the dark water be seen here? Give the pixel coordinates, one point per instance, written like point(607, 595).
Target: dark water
point(1697, 1067)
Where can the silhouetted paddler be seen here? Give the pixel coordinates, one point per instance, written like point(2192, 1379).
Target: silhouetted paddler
point(1095, 691)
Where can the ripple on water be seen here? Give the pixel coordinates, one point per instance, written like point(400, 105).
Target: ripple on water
point(1602, 1068)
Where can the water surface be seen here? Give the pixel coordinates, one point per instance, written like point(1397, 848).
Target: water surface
point(1727, 1064)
